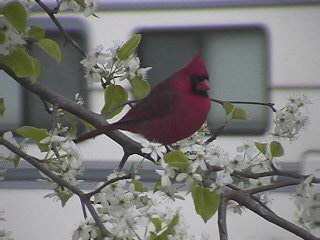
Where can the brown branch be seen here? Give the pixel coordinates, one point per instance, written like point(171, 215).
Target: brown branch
point(222, 218)
point(246, 200)
point(274, 186)
point(123, 160)
point(90, 194)
point(221, 102)
point(293, 175)
point(129, 145)
point(51, 14)
point(83, 197)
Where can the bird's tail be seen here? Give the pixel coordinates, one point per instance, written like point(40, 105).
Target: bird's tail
point(96, 132)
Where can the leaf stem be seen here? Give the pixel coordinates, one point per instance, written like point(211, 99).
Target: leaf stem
point(221, 102)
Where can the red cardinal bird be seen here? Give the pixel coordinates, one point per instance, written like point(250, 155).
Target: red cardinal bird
point(174, 109)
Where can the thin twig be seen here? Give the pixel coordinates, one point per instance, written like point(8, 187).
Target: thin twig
point(36, 163)
point(96, 217)
point(90, 194)
point(222, 218)
point(274, 186)
point(123, 160)
point(98, 121)
point(84, 211)
point(256, 198)
point(221, 102)
point(246, 200)
point(46, 106)
point(51, 14)
point(293, 175)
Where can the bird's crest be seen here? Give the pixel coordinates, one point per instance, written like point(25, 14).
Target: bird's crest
point(197, 66)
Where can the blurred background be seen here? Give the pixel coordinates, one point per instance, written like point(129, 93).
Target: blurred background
point(260, 51)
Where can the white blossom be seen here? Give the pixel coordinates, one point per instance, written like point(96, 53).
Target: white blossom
point(127, 213)
point(4, 235)
point(86, 231)
point(63, 160)
point(12, 37)
point(181, 176)
point(308, 203)
point(155, 150)
point(78, 99)
point(222, 178)
point(290, 119)
point(5, 153)
point(87, 7)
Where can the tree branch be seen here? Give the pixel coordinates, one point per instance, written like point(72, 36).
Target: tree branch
point(274, 172)
point(246, 200)
point(129, 145)
point(36, 163)
point(222, 218)
point(123, 160)
point(90, 194)
point(274, 186)
point(51, 14)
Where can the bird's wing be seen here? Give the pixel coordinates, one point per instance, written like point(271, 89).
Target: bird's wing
point(157, 104)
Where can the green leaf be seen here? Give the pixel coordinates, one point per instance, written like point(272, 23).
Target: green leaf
point(138, 186)
point(206, 202)
point(276, 149)
point(239, 113)
point(63, 194)
point(157, 222)
point(170, 229)
point(228, 107)
point(129, 47)
point(16, 161)
point(87, 125)
point(178, 160)
point(36, 134)
point(2, 37)
point(174, 221)
point(115, 97)
point(51, 47)
point(20, 62)
point(81, 3)
point(262, 147)
point(140, 87)
point(157, 186)
point(16, 14)
point(36, 32)
point(2, 106)
point(36, 66)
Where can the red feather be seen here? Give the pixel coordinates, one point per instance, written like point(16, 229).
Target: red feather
point(172, 111)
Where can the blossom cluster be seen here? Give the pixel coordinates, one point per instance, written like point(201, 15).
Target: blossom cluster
point(290, 119)
point(209, 164)
point(87, 7)
point(11, 38)
point(6, 154)
point(63, 159)
point(307, 202)
point(104, 65)
point(130, 214)
point(4, 235)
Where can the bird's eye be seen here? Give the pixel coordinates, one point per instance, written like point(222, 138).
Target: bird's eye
point(198, 78)
point(200, 85)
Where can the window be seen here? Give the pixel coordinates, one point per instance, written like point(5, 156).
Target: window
point(236, 58)
point(24, 108)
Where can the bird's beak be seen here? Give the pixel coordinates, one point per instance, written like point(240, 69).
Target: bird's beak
point(203, 85)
